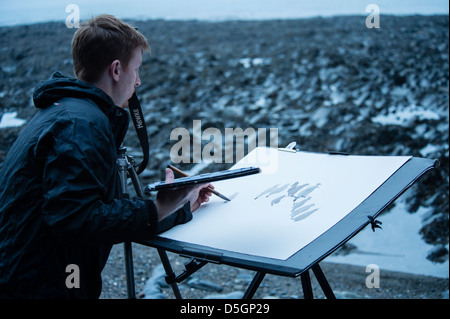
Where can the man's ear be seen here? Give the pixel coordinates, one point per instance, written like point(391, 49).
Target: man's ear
point(114, 69)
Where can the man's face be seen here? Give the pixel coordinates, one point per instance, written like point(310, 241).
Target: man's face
point(129, 79)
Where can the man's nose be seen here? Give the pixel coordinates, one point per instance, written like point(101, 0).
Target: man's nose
point(138, 81)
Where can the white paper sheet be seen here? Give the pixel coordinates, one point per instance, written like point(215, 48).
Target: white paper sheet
point(296, 198)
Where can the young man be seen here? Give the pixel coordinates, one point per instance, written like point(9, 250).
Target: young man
point(60, 197)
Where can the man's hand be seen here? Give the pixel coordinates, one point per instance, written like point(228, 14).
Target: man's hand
point(168, 201)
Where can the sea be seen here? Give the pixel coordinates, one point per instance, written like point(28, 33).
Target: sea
point(31, 11)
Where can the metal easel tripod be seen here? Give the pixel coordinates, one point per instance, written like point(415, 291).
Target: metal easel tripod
point(127, 169)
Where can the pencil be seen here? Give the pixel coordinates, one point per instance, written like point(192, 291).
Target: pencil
point(176, 170)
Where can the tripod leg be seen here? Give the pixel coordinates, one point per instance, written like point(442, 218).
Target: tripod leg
point(135, 180)
point(122, 166)
point(254, 285)
point(170, 275)
point(129, 270)
point(323, 282)
point(306, 285)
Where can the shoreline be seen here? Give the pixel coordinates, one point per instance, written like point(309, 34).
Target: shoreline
point(225, 20)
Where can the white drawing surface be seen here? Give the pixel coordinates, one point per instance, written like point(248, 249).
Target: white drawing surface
point(296, 198)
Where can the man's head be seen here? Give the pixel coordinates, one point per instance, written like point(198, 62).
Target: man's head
point(108, 52)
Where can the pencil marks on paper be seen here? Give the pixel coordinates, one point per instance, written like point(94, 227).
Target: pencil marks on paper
point(302, 207)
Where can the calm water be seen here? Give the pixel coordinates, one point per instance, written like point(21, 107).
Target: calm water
point(31, 11)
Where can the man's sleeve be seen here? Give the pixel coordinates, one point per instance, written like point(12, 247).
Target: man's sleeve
point(78, 173)
point(181, 216)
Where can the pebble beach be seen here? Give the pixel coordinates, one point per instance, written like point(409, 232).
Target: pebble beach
point(326, 83)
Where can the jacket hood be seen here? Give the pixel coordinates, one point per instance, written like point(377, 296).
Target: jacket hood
point(59, 86)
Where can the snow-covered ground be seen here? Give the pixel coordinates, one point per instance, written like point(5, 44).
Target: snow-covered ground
point(397, 247)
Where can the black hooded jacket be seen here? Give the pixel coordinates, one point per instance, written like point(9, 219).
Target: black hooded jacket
point(60, 196)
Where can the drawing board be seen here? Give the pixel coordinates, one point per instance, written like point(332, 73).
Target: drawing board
point(297, 197)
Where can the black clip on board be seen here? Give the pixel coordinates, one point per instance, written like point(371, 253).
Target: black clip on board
point(203, 178)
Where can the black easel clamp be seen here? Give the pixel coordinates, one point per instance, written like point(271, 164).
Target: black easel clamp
point(374, 223)
point(170, 278)
point(190, 267)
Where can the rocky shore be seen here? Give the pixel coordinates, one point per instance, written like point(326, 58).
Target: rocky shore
point(225, 282)
point(326, 83)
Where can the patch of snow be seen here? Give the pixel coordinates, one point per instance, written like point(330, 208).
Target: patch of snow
point(10, 120)
point(403, 117)
point(248, 62)
point(429, 149)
